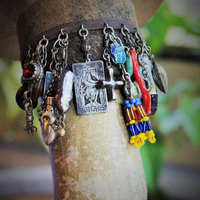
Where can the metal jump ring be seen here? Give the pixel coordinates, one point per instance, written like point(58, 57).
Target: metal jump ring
point(107, 28)
point(83, 32)
point(63, 33)
point(44, 40)
point(124, 28)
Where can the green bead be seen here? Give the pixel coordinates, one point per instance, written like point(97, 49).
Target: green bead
point(129, 64)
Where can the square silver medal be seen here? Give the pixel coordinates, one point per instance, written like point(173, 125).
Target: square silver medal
point(89, 99)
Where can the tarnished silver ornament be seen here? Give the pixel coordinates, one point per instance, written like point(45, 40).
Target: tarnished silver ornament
point(110, 84)
point(89, 99)
point(146, 72)
point(48, 123)
point(160, 77)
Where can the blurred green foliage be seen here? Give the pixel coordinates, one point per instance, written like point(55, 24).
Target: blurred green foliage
point(178, 112)
point(9, 83)
point(156, 30)
point(179, 109)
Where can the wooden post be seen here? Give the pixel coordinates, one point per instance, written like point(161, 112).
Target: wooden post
point(94, 159)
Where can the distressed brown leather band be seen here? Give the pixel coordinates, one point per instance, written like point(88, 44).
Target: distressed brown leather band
point(91, 25)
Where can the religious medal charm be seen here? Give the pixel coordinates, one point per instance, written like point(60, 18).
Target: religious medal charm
point(32, 80)
point(57, 92)
point(89, 98)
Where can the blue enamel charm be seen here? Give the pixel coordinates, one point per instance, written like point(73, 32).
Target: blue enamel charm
point(118, 54)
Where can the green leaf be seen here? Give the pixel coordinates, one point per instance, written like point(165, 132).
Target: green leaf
point(10, 82)
point(160, 24)
point(152, 158)
point(190, 108)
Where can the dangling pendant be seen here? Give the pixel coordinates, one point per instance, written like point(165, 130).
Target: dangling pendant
point(32, 80)
point(129, 64)
point(146, 73)
point(137, 123)
point(64, 92)
point(110, 84)
point(89, 99)
point(47, 119)
point(118, 54)
point(160, 77)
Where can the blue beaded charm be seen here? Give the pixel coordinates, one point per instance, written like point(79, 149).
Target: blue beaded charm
point(118, 54)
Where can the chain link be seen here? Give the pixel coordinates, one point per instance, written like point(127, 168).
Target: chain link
point(29, 114)
point(128, 37)
point(41, 51)
point(109, 34)
point(83, 32)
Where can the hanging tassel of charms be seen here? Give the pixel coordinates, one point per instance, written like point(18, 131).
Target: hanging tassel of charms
point(151, 72)
point(132, 105)
point(137, 121)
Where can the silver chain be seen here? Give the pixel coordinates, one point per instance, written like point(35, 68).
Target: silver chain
point(128, 37)
point(41, 51)
point(83, 32)
point(29, 115)
point(59, 61)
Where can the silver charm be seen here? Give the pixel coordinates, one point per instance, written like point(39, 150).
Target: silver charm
point(145, 71)
point(160, 77)
point(89, 98)
point(51, 112)
point(114, 51)
point(47, 120)
point(64, 92)
point(110, 84)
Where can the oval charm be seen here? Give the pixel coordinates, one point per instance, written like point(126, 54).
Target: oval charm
point(160, 77)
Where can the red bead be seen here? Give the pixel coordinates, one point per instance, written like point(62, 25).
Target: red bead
point(28, 70)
